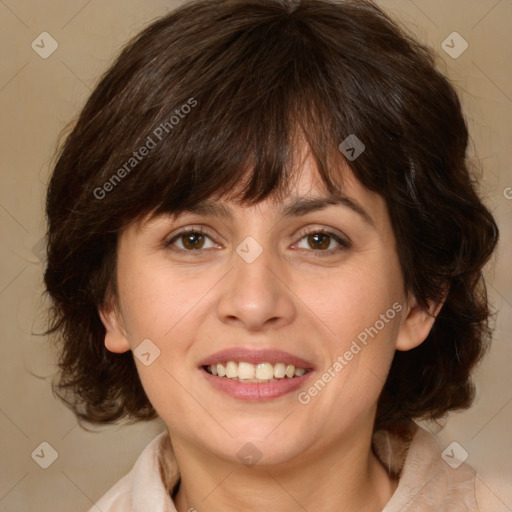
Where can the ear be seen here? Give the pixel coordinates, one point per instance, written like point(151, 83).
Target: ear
point(417, 323)
point(115, 335)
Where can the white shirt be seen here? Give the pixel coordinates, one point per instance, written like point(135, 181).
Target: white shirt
point(426, 481)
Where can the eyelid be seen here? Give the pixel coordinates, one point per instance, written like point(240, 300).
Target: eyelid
point(168, 241)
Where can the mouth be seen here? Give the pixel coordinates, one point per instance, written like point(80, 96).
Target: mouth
point(255, 375)
point(247, 372)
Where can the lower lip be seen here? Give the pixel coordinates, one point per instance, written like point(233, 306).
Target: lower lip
point(255, 391)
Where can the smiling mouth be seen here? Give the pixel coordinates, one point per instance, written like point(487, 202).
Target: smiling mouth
point(250, 373)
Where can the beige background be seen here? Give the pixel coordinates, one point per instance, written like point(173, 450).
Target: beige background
point(38, 97)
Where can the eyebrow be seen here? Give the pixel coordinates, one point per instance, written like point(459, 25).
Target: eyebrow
point(298, 207)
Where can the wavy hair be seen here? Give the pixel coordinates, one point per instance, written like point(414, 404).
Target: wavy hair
point(261, 72)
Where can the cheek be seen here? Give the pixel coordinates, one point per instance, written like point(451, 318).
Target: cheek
point(353, 302)
point(162, 307)
point(155, 300)
point(360, 312)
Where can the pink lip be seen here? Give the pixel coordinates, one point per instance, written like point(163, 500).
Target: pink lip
point(255, 391)
point(256, 356)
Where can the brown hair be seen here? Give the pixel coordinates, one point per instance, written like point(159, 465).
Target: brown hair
point(218, 86)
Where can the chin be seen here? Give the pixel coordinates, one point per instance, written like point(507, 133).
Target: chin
point(264, 448)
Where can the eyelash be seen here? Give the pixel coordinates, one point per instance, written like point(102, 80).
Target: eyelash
point(344, 244)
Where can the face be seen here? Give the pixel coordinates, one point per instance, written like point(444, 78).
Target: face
point(302, 306)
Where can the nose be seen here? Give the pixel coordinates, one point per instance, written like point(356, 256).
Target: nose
point(255, 295)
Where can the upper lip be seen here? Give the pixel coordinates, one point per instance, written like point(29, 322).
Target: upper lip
point(255, 356)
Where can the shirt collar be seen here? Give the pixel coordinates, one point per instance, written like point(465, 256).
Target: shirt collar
point(426, 481)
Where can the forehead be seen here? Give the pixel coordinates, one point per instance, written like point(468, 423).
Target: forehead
point(304, 192)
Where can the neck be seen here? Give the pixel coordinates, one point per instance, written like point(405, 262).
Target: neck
point(342, 478)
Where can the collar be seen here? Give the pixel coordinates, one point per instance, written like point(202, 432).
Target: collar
point(426, 481)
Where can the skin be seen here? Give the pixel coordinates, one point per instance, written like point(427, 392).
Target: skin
point(192, 304)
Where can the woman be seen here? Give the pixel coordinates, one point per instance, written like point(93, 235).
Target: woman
point(263, 230)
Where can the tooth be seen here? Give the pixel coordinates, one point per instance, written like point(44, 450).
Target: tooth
point(231, 370)
point(290, 371)
point(264, 371)
point(246, 370)
point(255, 373)
point(279, 370)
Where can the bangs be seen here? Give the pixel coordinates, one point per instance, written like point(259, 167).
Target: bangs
point(251, 152)
point(225, 104)
point(225, 109)
point(254, 117)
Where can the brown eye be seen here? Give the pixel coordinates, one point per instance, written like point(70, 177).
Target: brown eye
point(319, 241)
point(323, 242)
point(193, 240)
point(190, 240)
